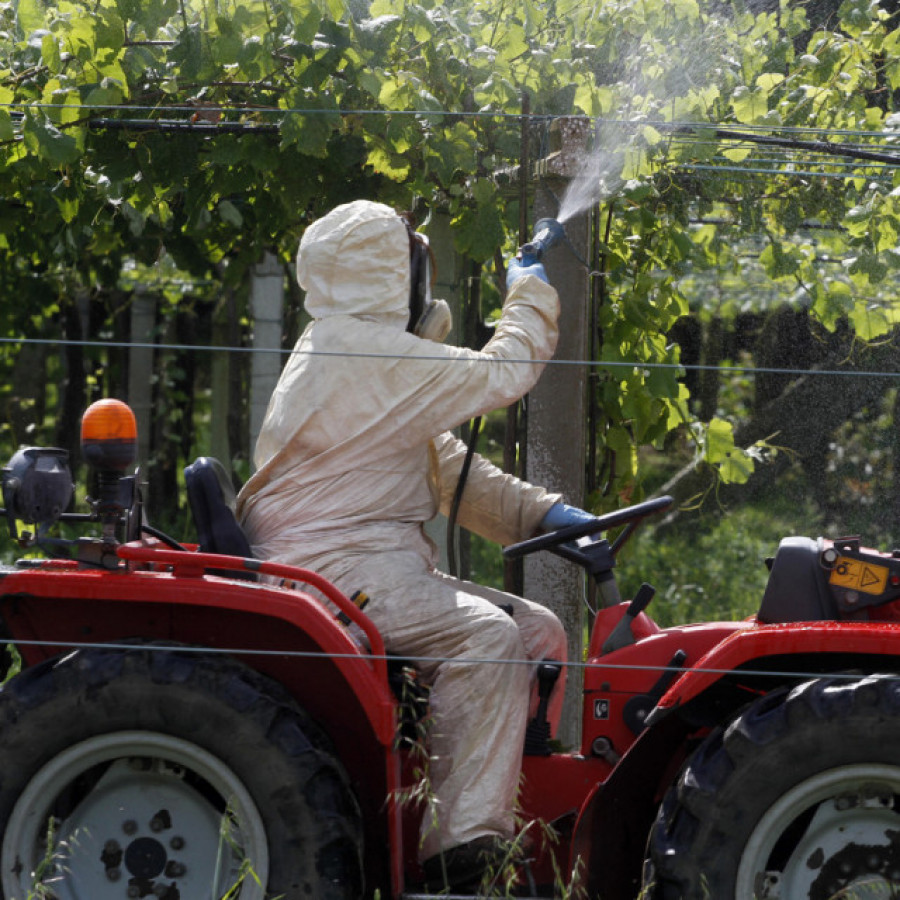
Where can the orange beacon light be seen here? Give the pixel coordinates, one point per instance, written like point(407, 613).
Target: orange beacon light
point(109, 435)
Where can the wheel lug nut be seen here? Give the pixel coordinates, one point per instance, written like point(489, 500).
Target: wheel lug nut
point(113, 874)
point(161, 821)
point(134, 890)
point(177, 843)
point(129, 826)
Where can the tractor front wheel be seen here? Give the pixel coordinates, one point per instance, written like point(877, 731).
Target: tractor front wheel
point(154, 772)
point(797, 799)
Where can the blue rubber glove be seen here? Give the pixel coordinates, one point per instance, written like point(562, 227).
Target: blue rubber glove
point(561, 515)
point(517, 268)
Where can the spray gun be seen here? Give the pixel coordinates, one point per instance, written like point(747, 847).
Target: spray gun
point(547, 233)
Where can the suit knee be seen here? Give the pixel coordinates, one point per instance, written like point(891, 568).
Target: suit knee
point(499, 637)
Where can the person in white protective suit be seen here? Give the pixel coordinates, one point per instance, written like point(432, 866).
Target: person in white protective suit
point(355, 455)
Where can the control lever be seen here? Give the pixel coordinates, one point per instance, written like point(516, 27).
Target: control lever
point(638, 707)
point(537, 733)
point(622, 635)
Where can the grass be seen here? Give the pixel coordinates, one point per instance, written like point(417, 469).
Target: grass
point(712, 569)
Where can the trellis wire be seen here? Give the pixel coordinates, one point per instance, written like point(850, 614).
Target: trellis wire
point(363, 657)
point(587, 363)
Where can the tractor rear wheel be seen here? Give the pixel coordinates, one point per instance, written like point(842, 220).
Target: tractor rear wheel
point(797, 799)
point(152, 772)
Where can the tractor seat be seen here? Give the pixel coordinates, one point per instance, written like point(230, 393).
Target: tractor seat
point(211, 497)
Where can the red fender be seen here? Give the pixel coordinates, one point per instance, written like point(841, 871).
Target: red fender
point(793, 639)
point(52, 606)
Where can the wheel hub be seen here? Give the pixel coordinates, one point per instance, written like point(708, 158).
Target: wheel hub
point(188, 829)
point(873, 868)
point(142, 852)
point(836, 835)
point(145, 858)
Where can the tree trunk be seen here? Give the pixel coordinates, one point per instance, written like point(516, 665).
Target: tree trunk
point(709, 376)
point(238, 381)
point(800, 420)
point(73, 389)
point(27, 401)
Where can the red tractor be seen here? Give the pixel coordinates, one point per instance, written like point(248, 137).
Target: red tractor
point(191, 722)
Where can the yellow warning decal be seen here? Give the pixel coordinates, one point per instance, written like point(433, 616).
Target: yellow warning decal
point(858, 575)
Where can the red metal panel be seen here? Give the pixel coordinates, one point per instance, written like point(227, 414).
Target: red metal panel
point(794, 639)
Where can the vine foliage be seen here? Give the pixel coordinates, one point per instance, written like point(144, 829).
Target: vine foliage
point(167, 144)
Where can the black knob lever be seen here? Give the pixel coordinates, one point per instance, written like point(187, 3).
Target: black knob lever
point(537, 733)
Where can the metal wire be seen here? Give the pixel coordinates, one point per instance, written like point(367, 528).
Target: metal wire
point(587, 363)
point(790, 138)
point(278, 111)
point(689, 130)
point(794, 173)
point(364, 657)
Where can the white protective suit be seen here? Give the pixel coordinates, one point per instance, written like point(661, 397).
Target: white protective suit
point(355, 454)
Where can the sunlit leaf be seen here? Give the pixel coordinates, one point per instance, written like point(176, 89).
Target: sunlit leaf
point(29, 16)
point(46, 141)
point(387, 164)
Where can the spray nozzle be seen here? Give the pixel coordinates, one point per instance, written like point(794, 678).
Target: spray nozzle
point(547, 232)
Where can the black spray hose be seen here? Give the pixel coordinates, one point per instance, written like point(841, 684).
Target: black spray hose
point(457, 497)
point(547, 233)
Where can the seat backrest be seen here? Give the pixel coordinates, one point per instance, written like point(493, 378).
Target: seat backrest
point(797, 589)
point(211, 496)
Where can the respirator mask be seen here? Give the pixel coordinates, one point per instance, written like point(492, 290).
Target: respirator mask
point(428, 318)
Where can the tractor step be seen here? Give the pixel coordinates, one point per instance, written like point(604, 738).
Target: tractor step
point(526, 885)
point(443, 896)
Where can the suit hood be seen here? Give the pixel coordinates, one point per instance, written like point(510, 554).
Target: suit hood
point(355, 261)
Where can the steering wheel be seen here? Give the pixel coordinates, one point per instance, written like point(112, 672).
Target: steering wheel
point(555, 540)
